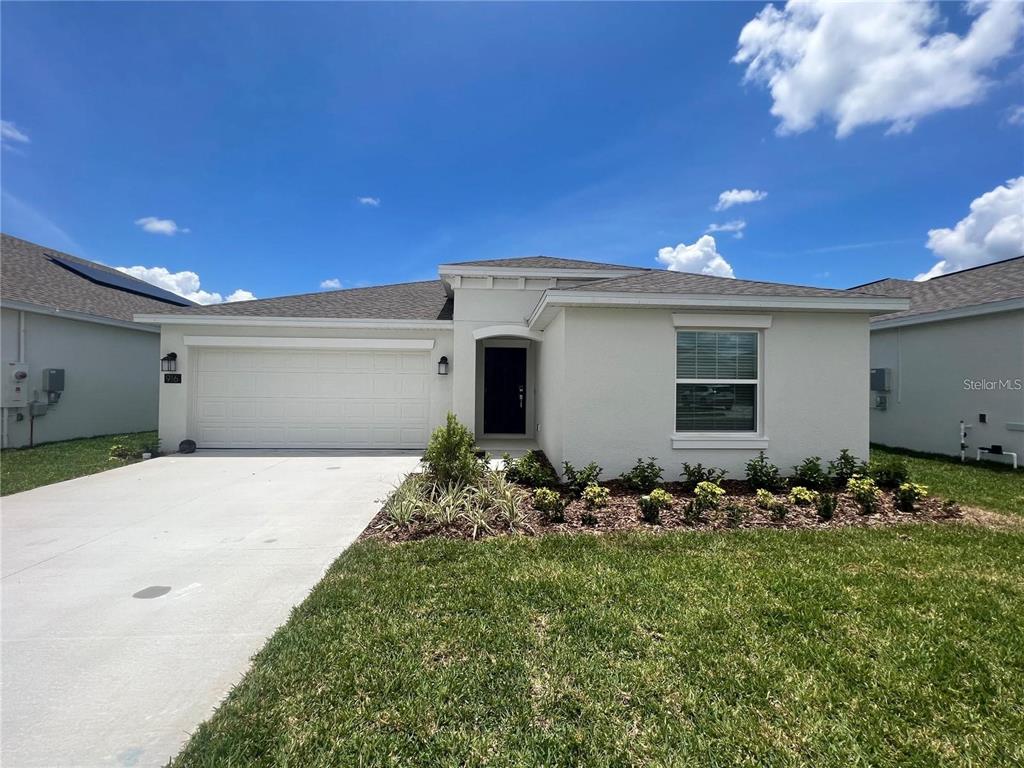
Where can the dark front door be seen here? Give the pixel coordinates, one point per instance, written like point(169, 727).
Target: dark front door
point(505, 390)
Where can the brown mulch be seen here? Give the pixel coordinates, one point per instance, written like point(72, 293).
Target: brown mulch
point(623, 514)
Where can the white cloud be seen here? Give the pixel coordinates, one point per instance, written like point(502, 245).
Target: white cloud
point(156, 226)
point(702, 257)
point(865, 63)
point(732, 197)
point(330, 284)
point(1016, 115)
point(183, 283)
point(736, 226)
point(9, 132)
point(373, 202)
point(993, 230)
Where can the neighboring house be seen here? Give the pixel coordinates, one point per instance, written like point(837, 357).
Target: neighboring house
point(589, 361)
point(957, 354)
point(74, 363)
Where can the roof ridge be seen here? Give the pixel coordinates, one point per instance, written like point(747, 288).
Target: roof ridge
point(701, 274)
point(972, 269)
point(325, 293)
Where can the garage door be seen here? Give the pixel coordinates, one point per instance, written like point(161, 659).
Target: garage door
point(267, 398)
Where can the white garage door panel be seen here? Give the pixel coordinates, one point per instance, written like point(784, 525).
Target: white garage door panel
point(254, 398)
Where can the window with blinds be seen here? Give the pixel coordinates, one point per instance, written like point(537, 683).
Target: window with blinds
point(716, 381)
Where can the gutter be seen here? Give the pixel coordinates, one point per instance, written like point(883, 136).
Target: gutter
point(974, 310)
point(39, 309)
point(552, 300)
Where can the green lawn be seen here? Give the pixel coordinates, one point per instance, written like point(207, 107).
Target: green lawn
point(986, 484)
point(883, 647)
point(25, 468)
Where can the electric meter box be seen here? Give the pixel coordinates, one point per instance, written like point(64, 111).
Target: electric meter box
point(15, 385)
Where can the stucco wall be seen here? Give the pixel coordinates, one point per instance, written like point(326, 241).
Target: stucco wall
point(111, 376)
point(619, 386)
point(175, 399)
point(551, 391)
point(929, 364)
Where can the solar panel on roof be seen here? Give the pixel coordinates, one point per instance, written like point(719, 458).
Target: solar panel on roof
point(121, 282)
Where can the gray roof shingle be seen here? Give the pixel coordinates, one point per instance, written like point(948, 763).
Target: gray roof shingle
point(663, 281)
point(1000, 281)
point(541, 262)
point(28, 274)
point(424, 300)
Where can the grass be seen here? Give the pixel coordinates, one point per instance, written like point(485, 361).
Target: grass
point(978, 484)
point(24, 468)
point(883, 647)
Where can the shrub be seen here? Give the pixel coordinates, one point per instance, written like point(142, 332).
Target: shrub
point(550, 503)
point(735, 514)
point(864, 492)
point(588, 518)
point(698, 473)
point(530, 469)
point(450, 456)
point(908, 494)
point(826, 504)
point(843, 467)
point(596, 496)
point(707, 495)
point(577, 480)
point(809, 474)
point(653, 503)
point(761, 473)
point(764, 499)
point(803, 497)
point(120, 451)
point(889, 472)
point(644, 477)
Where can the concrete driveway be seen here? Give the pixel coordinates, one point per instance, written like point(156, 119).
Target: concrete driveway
point(133, 599)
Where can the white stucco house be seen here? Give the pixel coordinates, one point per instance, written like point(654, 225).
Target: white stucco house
point(588, 361)
point(956, 354)
point(74, 363)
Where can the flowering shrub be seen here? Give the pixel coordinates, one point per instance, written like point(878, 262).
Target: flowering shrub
point(550, 503)
point(595, 496)
point(864, 492)
point(803, 497)
point(653, 503)
point(706, 495)
point(765, 499)
point(908, 494)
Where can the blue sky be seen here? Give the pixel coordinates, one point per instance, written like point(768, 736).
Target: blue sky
point(594, 131)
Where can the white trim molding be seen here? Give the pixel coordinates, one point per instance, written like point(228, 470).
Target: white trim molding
point(950, 314)
point(719, 320)
point(516, 331)
point(39, 309)
point(290, 342)
point(685, 440)
point(546, 308)
point(248, 321)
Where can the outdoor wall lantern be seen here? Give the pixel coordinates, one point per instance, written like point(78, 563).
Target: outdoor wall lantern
point(169, 362)
point(442, 366)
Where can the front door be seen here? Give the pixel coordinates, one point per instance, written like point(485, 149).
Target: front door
point(505, 390)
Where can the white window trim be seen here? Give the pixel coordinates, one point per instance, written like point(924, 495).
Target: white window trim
point(751, 440)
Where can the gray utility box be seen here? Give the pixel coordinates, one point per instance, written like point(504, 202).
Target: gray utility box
point(881, 379)
point(53, 380)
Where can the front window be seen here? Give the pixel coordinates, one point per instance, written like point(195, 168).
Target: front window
point(716, 381)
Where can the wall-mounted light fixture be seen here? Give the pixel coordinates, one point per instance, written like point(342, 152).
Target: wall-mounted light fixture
point(169, 362)
point(442, 366)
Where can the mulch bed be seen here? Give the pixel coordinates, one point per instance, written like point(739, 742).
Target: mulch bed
point(623, 514)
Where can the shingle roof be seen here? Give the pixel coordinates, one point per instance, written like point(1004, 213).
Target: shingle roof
point(425, 300)
point(541, 262)
point(29, 274)
point(970, 287)
point(663, 281)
